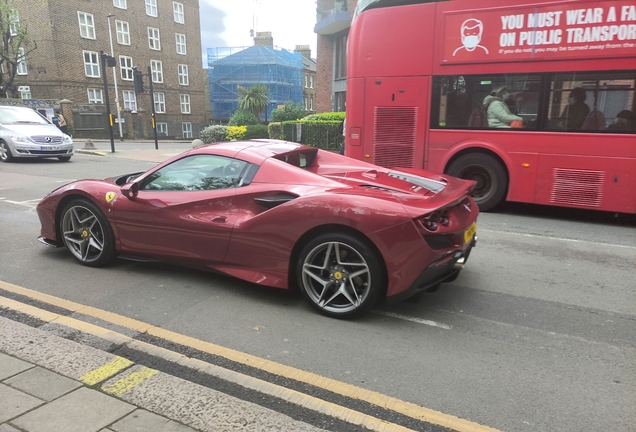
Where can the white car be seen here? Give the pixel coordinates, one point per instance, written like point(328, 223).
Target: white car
point(24, 133)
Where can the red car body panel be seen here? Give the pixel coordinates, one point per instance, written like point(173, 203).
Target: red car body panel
point(228, 231)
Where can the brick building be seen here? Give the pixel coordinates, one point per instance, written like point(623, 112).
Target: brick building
point(309, 78)
point(333, 20)
point(162, 34)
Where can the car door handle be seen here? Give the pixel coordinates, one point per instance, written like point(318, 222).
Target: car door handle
point(220, 219)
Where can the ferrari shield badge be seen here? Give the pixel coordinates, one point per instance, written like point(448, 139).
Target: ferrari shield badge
point(110, 196)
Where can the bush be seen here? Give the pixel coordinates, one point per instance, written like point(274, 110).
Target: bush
point(274, 130)
point(327, 116)
point(323, 134)
point(243, 118)
point(256, 132)
point(236, 132)
point(215, 133)
point(289, 111)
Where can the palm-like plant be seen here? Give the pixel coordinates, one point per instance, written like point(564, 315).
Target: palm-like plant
point(253, 99)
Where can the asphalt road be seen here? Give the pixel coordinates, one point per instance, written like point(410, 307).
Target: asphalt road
point(537, 334)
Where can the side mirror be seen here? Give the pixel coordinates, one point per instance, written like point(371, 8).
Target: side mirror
point(130, 190)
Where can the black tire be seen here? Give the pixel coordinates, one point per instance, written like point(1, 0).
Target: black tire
point(86, 233)
point(490, 175)
point(323, 273)
point(5, 152)
point(64, 158)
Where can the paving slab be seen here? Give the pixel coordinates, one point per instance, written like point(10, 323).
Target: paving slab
point(83, 410)
point(14, 402)
point(42, 383)
point(50, 351)
point(7, 428)
point(144, 421)
point(10, 366)
point(203, 408)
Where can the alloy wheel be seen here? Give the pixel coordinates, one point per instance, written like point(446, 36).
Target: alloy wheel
point(83, 234)
point(336, 277)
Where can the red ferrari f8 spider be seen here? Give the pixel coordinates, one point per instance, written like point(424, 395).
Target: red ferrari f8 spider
point(280, 214)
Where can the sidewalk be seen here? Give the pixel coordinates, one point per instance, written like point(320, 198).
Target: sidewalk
point(134, 149)
point(51, 384)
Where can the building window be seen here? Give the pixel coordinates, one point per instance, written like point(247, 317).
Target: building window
point(95, 96)
point(340, 71)
point(311, 103)
point(154, 39)
point(306, 103)
point(22, 63)
point(179, 16)
point(162, 129)
point(130, 100)
point(91, 64)
point(311, 81)
point(121, 4)
point(185, 103)
point(86, 25)
point(151, 8)
point(186, 129)
point(160, 102)
point(123, 32)
point(339, 101)
point(14, 22)
point(157, 71)
point(25, 92)
point(183, 75)
point(181, 43)
point(306, 81)
point(126, 67)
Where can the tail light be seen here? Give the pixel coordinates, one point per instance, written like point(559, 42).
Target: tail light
point(430, 221)
point(444, 219)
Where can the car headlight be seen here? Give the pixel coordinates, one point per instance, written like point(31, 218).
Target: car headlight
point(20, 139)
point(68, 139)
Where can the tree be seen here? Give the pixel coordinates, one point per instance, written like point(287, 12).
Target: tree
point(290, 111)
point(15, 49)
point(253, 99)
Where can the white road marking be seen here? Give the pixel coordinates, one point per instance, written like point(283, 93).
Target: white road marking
point(414, 319)
point(65, 181)
point(558, 239)
point(32, 204)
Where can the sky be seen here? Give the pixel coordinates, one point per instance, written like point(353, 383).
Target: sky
point(227, 23)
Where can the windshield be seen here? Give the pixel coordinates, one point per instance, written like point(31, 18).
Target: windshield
point(15, 115)
point(372, 4)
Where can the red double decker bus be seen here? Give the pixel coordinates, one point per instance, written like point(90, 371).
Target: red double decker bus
point(534, 100)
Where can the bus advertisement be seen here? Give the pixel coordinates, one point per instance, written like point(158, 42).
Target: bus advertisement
point(533, 100)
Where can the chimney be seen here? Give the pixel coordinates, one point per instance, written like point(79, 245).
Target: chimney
point(264, 39)
point(304, 50)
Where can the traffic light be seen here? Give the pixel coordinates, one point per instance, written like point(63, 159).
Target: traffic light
point(108, 60)
point(139, 81)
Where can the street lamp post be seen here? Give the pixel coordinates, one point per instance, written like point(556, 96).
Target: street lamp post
point(112, 53)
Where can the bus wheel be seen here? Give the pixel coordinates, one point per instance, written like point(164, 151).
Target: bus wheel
point(491, 178)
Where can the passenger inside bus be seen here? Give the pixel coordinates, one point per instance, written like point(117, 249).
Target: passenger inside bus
point(499, 115)
point(576, 111)
point(625, 122)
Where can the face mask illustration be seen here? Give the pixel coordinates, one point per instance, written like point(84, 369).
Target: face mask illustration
point(471, 32)
point(470, 42)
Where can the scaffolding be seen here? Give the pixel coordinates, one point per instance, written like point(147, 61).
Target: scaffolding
point(280, 70)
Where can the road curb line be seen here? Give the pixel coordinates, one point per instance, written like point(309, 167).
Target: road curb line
point(106, 371)
point(343, 389)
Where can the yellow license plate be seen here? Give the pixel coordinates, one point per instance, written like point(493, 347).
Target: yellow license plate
point(470, 232)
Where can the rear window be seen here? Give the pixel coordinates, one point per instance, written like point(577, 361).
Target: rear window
point(300, 160)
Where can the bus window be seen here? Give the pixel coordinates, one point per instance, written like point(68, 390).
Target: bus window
point(598, 101)
point(485, 101)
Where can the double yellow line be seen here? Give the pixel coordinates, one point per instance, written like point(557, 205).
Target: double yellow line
point(347, 390)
